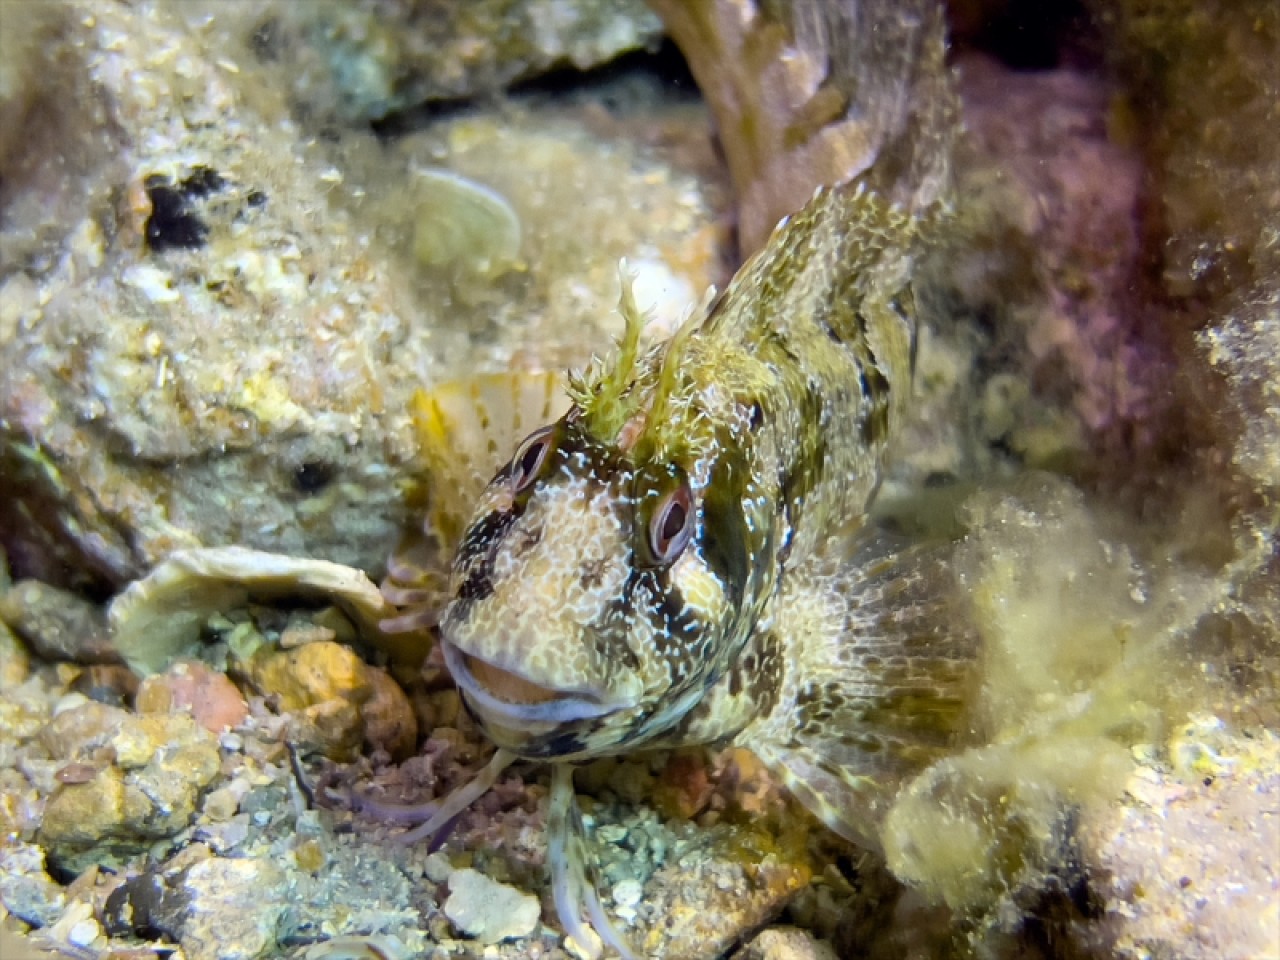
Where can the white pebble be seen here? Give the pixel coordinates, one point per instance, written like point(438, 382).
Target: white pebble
point(84, 933)
point(627, 893)
point(489, 911)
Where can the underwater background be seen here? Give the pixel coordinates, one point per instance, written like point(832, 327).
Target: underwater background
point(236, 239)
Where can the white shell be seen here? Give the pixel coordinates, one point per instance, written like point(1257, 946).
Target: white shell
point(159, 617)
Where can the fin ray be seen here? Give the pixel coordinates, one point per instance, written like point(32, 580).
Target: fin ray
point(466, 429)
point(877, 678)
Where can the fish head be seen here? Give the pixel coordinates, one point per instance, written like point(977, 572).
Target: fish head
point(585, 617)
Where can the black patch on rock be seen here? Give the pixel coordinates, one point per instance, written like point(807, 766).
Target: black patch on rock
point(151, 905)
point(202, 182)
point(172, 225)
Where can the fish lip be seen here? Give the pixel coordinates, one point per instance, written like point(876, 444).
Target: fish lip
point(568, 705)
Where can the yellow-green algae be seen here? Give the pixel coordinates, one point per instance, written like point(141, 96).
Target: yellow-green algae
point(1087, 655)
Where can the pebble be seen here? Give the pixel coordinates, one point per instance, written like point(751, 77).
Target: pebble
point(438, 867)
point(785, 943)
point(389, 721)
point(26, 890)
point(15, 662)
point(323, 685)
point(191, 686)
point(627, 893)
point(58, 624)
point(141, 780)
point(489, 911)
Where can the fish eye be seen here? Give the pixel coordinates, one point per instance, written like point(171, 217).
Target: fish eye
point(671, 524)
point(527, 464)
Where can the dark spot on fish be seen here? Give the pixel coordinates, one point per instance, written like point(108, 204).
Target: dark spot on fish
point(832, 333)
point(486, 531)
point(875, 422)
point(592, 573)
point(725, 539)
point(476, 586)
point(526, 538)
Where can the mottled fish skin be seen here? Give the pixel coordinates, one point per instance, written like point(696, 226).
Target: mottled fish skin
point(615, 574)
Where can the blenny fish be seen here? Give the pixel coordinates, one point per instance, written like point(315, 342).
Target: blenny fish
point(667, 563)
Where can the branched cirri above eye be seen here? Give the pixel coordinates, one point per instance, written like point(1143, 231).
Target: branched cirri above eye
point(527, 464)
point(671, 525)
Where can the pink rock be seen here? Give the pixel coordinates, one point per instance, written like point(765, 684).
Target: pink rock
point(212, 699)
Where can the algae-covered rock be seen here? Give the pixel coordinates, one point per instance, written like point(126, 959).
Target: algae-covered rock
point(214, 327)
point(581, 202)
point(1201, 77)
point(360, 61)
point(197, 344)
point(58, 624)
point(1090, 633)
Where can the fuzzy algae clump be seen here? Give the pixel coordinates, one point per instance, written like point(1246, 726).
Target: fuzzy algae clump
point(1087, 658)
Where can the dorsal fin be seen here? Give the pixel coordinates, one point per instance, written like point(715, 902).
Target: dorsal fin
point(466, 430)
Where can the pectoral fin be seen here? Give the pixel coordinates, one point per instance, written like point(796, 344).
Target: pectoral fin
point(877, 682)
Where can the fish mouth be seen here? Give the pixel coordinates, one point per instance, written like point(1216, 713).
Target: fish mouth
point(511, 698)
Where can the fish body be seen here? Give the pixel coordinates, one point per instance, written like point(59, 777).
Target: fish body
point(673, 560)
point(652, 568)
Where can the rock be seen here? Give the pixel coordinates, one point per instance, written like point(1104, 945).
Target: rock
point(389, 721)
point(154, 901)
point(212, 699)
point(1039, 352)
point(1186, 865)
point(785, 943)
point(137, 779)
point(358, 63)
point(216, 908)
point(325, 686)
point(111, 684)
point(58, 625)
point(187, 214)
point(26, 890)
point(289, 430)
point(15, 661)
point(489, 911)
point(725, 882)
point(234, 911)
